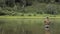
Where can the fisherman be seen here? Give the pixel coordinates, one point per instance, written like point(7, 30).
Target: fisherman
point(47, 24)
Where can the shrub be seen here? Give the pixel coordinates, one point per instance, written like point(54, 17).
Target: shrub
point(29, 15)
point(34, 14)
point(22, 14)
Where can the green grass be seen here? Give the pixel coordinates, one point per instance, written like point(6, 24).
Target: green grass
point(27, 25)
point(41, 16)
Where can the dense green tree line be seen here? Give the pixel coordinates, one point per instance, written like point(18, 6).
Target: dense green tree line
point(13, 7)
point(12, 3)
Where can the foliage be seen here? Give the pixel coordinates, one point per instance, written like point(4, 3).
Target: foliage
point(51, 9)
point(14, 7)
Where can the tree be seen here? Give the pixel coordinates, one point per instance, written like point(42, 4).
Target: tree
point(51, 9)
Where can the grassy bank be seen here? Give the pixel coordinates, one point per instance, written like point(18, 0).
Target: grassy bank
point(21, 17)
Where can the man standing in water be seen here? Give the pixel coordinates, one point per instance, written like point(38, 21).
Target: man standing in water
point(47, 25)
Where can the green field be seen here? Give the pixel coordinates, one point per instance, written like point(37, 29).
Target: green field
point(27, 25)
